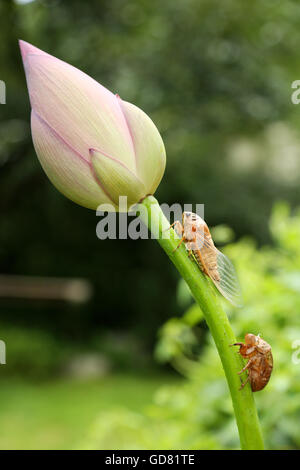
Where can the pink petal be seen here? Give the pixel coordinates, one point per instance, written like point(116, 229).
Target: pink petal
point(148, 144)
point(83, 112)
point(70, 173)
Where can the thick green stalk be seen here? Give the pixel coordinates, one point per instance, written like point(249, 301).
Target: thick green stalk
point(217, 321)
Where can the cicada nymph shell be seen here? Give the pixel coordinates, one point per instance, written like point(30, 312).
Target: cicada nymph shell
point(198, 241)
point(260, 363)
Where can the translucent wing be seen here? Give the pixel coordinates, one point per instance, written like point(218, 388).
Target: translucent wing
point(218, 267)
point(227, 283)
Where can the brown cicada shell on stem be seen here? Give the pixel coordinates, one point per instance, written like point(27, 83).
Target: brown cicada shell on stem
point(260, 363)
point(197, 239)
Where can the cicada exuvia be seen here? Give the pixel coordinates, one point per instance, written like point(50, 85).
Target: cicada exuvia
point(260, 363)
point(197, 239)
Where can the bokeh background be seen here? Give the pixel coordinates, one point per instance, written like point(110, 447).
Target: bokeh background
point(105, 348)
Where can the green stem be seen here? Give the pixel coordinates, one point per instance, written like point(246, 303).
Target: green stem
point(217, 321)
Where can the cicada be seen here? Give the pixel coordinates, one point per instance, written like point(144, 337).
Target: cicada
point(197, 239)
point(260, 364)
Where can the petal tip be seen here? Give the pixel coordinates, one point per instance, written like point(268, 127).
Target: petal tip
point(27, 48)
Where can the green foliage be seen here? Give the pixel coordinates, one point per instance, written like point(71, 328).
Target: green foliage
point(125, 351)
point(199, 414)
point(34, 354)
point(57, 414)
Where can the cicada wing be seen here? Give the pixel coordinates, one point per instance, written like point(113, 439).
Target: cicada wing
point(227, 282)
point(178, 228)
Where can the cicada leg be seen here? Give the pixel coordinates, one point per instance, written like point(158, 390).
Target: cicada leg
point(179, 231)
point(201, 263)
point(172, 225)
point(245, 383)
point(181, 241)
point(246, 367)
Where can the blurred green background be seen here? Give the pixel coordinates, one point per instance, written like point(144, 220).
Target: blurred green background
point(122, 358)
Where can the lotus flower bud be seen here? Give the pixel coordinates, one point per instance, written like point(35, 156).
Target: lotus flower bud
point(93, 146)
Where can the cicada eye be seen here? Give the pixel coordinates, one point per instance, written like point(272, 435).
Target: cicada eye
point(186, 217)
point(250, 339)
